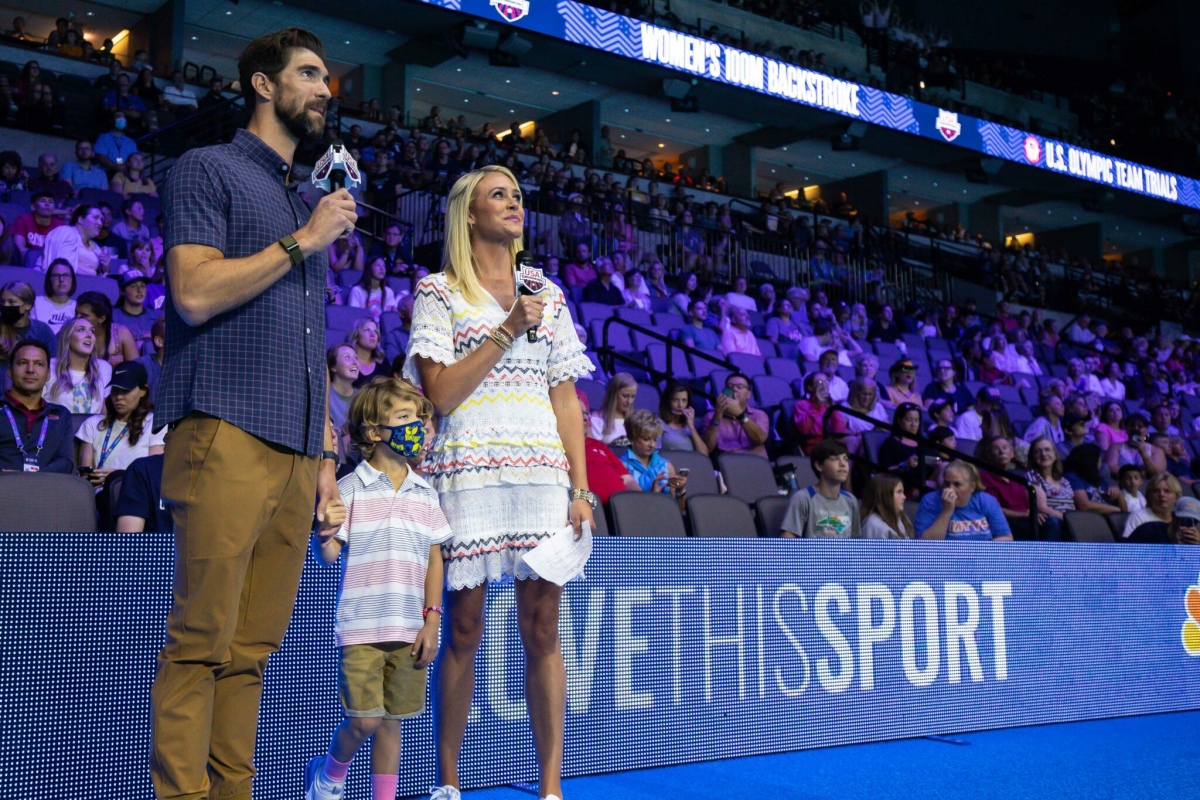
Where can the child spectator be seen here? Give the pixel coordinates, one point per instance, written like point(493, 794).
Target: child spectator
point(389, 602)
point(882, 512)
point(643, 460)
point(371, 292)
point(824, 511)
point(31, 229)
point(343, 372)
point(1131, 479)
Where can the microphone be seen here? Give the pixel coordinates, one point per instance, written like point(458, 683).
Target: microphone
point(336, 170)
point(530, 281)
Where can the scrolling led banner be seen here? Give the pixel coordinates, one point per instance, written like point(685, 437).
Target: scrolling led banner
point(676, 651)
point(695, 57)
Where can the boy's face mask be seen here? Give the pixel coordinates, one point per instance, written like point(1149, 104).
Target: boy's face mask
point(406, 440)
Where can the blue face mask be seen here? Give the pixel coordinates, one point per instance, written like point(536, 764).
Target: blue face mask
point(407, 440)
point(119, 124)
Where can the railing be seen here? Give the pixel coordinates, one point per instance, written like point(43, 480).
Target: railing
point(924, 443)
point(211, 125)
point(610, 353)
point(377, 222)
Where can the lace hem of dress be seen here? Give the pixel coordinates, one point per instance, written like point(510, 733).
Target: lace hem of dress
point(495, 566)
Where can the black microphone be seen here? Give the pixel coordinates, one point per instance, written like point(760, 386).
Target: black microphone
point(530, 281)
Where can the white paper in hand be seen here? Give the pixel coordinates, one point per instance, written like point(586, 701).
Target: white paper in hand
point(560, 558)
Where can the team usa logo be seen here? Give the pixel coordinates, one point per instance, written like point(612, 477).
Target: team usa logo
point(948, 125)
point(1033, 149)
point(511, 10)
point(532, 279)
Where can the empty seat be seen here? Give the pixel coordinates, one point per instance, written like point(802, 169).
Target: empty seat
point(872, 441)
point(618, 336)
point(769, 513)
point(594, 391)
point(601, 528)
point(94, 283)
point(589, 312)
point(702, 478)
point(656, 357)
point(966, 446)
point(747, 477)
point(802, 466)
point(647, 397)
point(767, 348)
point(645, 514)
point(770, 391)
point(636, 316)
point(1087, 526)
point(748, 364)
point(344, 317)
point(720, 516)
point(1010, 394)
point(888, 355)
point(784, 368)
point(390, 321)
point(346, 279)
point(46, 502)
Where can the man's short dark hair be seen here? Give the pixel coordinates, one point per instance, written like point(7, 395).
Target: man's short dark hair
point(21, 345)
point(269, 54)
point(38, 195)
point(1128, 469)
point(733, 375)
point(825, 450)
point(128, 203)
point(822, 326)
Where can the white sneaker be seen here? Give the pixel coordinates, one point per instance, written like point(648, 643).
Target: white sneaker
point(317, 786)
point(444, 793)
point(551, 797)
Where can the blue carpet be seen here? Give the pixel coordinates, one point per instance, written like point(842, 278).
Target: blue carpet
point(1136, 757)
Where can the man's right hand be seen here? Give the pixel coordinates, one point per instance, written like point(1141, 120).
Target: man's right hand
point(334, 215)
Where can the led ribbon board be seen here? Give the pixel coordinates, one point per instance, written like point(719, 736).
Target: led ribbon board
point(676, 651)
point(696, 57)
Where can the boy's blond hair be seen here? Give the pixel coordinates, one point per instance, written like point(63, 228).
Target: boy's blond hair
point(642, 421)
point(373, 405)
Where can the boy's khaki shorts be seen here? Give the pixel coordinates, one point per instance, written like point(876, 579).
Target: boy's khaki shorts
point(381, 680)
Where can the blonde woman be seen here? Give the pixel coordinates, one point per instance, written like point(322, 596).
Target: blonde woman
point(608, 424)
point(508, 461)
point(367, 342)
point(79, 378)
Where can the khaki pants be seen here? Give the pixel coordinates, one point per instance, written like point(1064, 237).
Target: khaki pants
point(243, 513)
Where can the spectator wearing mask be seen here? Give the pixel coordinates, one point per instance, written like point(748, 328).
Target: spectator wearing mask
point(76, 242)
point(603, 289)
point(30, 230)
point(56, 306)
point(130, 310)
point(945, 387)
point(608, 424)
point(342, 363)
point(114, 342)
point(83, 173)
point(368, 349)
point(153, 362)
point(643, 459)
point(16, 323)
point(882, 511)
point(696, 332)
point(36, 435)
point(679, 420)
point(140, 506)
point(606, 473)
point(736, 336)
point(113, 148)
point(969, 424)
point(179, 97)
point(372, 292)
point(131, 178)
point(125, 431)
point(79, 378)
point(733, 426)
point(1092, 492)
point(48, 179)
point(961, 511)
point(122, 99)
point(133, 221)
point(824, 511)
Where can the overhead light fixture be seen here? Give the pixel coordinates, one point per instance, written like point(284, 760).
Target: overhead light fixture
point(122, 36)
point(660, 144)
point(555, 93)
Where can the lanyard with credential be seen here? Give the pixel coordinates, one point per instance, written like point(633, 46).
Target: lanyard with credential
point(17, 433)
point(105, 450)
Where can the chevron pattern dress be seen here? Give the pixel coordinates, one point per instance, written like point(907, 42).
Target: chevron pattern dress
point(497, 463)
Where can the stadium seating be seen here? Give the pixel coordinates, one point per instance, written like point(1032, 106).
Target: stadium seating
point(715, 515)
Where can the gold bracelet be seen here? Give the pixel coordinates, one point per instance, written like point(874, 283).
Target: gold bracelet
point(500, 341)
point(511, 336)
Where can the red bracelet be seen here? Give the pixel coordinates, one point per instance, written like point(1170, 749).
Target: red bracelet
point(425, 611)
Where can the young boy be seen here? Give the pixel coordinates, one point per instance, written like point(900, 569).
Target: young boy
point(389, 603)
point(824, 511)
point(1131, 478)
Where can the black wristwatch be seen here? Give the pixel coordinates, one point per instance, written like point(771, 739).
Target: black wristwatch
point(745, 415)
point(584, 494)
point(331, 455)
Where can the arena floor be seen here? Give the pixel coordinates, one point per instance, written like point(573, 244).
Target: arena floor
point(1136, 757)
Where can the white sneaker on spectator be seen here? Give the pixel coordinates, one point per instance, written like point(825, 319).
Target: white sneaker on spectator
point(318, 787)
point(444, 793)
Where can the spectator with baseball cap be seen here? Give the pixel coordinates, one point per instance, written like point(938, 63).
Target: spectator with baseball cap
point(125, 431)
point(35, 436)
point(1185, 525)
point(1075, 432)
point(903, 386)
point(130, 309)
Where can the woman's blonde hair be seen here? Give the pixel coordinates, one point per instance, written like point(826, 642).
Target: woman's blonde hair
point(373, 405)
point(964, 468)
point(378, 356)
point(458, 259)
point(1163, 477)
point(62, 365)
point(641, 421)
point(622, 380)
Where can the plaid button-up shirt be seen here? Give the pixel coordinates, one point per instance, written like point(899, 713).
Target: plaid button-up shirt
point(260, 366)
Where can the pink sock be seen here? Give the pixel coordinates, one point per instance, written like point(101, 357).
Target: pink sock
point(335, 770)
point(383, 787)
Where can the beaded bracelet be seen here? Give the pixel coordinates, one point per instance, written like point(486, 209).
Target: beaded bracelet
point(501, 337)
point(425, 611)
